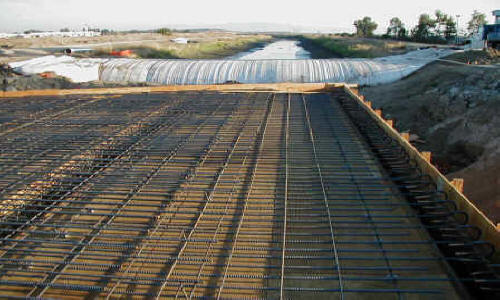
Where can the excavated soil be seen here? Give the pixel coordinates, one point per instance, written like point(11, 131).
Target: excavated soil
point(453, 110)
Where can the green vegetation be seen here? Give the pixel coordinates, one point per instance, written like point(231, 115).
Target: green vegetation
point(209, 50)
point(440, 29)
point(477, 20)
point(32, 31)
point(194, 50)
point(164, 31)
point(483, 57)
point(437, 28)
point(322, 46)
point(422, 32)
point(107, 32)
point(334, 46)
point(365, 27)
point(396, 29)
point(219, 49)
point(146, 52)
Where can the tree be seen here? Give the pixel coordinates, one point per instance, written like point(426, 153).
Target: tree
point(365, 27)
point(423, 30)
point(32, 31)
point(403, 33)
point(65, 30)
point(477, 20)
point(450, 30)
point(396, 28)
point(440, 21)
point(164, 31)
point(107, 31)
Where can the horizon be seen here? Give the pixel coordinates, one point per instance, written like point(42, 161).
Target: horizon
point(45, 15)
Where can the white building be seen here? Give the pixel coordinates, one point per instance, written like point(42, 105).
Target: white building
point(496, 13)
point(50, 33)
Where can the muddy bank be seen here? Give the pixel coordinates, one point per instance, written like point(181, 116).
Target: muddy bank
point(317, 51)
point(453, 111)
point(146, 45)
point(338, 46)
point(212, 50)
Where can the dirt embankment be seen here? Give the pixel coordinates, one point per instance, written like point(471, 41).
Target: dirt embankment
point(11, 81)
point(201, 45)
point(336, 46)
point(453, 110)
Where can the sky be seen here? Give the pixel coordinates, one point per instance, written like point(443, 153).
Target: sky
point(21, 15)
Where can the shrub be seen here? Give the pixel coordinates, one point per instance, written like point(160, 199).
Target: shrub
point(164, 31)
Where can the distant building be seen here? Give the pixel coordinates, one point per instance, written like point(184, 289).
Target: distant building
point(10, 35)
point(487, 36)
point(496, 13)
point(491, 33)
point(50, 33)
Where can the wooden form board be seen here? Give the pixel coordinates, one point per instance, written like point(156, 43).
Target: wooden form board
point(453, 189)
point(266, 87)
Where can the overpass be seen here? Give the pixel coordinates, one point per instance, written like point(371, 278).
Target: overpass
point(229, 191)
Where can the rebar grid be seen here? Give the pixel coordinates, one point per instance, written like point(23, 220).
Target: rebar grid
point(217, 195)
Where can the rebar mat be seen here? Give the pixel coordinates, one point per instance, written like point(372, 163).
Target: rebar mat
point(214, 195)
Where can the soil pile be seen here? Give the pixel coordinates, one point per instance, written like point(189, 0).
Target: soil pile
point(11, 81)
point(453, 111)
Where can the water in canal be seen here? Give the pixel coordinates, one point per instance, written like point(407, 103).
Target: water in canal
point(283, 49)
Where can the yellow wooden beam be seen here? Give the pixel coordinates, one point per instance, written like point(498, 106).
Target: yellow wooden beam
point(458, 183)
point(454, 191)
point(427, 156)
point(287, 87)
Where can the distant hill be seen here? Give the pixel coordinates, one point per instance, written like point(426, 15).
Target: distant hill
point(264, 27)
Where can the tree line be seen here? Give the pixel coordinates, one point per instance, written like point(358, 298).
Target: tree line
point(437, 28)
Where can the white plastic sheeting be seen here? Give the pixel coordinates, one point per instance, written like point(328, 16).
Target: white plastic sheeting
point(171, 72)
point(78, 70)
point(178, 72)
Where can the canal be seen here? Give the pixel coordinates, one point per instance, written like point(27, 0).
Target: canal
point(282, 49)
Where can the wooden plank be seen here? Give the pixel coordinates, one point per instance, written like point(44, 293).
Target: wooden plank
point(491, 233)
point(287, 87)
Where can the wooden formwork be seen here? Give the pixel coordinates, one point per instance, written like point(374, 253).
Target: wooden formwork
point(453, 189)
point(262, 87)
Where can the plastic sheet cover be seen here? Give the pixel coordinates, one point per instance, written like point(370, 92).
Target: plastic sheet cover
point(182, 72)
point(179, 72)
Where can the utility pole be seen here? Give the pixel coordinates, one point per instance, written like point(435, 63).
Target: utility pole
point(458, 18)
